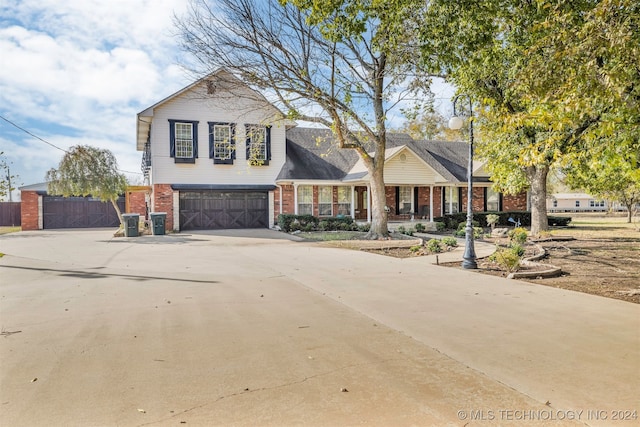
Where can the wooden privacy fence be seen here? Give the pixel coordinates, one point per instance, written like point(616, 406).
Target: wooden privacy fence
point(10, 214)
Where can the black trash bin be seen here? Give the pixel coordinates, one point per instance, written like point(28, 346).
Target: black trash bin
point(131, 224)
point(158, 220)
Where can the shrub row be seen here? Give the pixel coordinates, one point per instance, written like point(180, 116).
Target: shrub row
point(291, 222)
point(451, 221)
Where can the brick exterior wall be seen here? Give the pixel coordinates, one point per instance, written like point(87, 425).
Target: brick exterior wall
point(29, 210)
point(136, 202)
point(163, 202)
point(288, 200)
point(516, 202)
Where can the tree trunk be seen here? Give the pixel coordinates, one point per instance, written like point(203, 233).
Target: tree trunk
point(114, 202)
point(537, 175)
point(379, 228)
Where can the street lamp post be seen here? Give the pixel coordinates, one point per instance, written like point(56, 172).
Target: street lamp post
point(469, 257)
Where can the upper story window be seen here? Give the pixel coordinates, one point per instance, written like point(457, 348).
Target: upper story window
point(258, 144)
point(577, 203)
point(596, 203)
point(183, 140)
point(222, 142)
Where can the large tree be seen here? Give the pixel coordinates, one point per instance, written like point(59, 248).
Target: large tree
point(541, 73)
point(342, 67)
point(88, 171)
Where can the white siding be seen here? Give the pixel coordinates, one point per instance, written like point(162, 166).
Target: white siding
point(196, 105)
point(407, 168)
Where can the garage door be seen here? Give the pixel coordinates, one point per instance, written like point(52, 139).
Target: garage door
point(215, 210)
point(78, 212)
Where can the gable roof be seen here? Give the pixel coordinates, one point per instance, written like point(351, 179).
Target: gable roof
point(313, 154)
point(145, 117)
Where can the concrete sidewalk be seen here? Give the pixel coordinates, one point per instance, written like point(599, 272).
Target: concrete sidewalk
point(467, 342)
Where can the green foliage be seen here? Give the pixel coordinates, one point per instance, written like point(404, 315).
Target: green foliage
point(87, 171)
point(451, 242)
point(492, 219)
point(440, 226)
point(517, 249)
point(477, 232)
point(420, 228)
point(507, 258)
point(434, 246)
point(518, 235)
point(415, 248)
point(292, 222)
point(403, 230)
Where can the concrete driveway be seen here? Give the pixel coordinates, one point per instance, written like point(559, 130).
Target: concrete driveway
point(252, 328)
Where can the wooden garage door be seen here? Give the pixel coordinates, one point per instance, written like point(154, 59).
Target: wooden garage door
point(79, 212)
point(217, 210)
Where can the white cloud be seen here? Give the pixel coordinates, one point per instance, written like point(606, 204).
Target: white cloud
point(77, 72)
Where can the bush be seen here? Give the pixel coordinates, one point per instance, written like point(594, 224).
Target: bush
point(518, 235)
point(492, 220)
point(420, 228)
point(558, 221)
point(434, 246)
point(440, 226)
point(507, 259)
point(415, 248)
point(517, 249)
point(364, 227)
point(450, 241)
point(477, 232)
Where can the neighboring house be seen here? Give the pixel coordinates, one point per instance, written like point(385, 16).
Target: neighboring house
point(575, 202)
point(218, 155)
point(581, 202)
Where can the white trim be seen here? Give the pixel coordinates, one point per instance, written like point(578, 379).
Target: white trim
point(176, 211)
point(271, 206)
point(40, 214)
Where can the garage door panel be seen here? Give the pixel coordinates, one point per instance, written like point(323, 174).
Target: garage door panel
point(211, 210)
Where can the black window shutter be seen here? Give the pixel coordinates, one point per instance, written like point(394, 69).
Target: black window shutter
point(172, 138)
point(247, 132)
point(397, 200)
point(268, 142)
point(233, 141)
point(194, 130)
point(211, 125)
point(415, 200)
point(485, 199)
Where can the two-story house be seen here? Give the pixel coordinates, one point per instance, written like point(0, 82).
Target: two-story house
point(218, 155)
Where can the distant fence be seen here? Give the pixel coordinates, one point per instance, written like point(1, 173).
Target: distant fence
point(10, 214)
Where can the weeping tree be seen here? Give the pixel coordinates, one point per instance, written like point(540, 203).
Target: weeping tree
point(345, 68)
point(88, 171)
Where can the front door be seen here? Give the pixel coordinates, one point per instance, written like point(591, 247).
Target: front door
point(362, 195)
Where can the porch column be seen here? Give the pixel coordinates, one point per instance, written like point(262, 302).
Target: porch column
point(295, 199)
point(431, 203)
point(368, 203)
point(450, 200)
point(353, 205)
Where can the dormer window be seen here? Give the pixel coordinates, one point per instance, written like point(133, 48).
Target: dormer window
point(183, 140)
point(258, 144)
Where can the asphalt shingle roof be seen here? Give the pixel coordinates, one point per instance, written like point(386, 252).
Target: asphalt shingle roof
point(313, 154)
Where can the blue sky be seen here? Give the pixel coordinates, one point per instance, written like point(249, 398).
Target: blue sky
point(77, 72)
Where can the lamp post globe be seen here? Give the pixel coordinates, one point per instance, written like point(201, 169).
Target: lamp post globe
point(456, 123)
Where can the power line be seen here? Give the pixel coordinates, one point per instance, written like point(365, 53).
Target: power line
point(47, 142)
